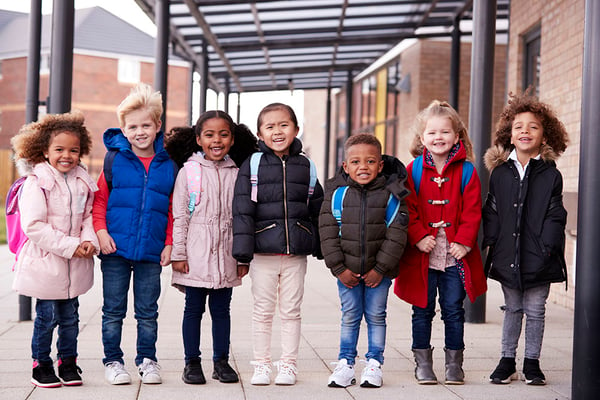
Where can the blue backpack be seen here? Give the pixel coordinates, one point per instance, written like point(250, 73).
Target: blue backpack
point(255, 162)
point(337, 206)
point(417, 172)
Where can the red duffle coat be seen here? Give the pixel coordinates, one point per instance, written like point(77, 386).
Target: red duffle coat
point(462, 215)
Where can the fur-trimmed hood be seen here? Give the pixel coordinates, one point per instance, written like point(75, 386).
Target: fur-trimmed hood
point(497, 155)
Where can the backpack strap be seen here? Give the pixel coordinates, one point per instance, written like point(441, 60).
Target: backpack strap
point(417, 172)
point(391, 210)
point(467, 172)
point(313, 177)
point(109, 157)
point(254, 163)
point(193, 171)
point(337, 204)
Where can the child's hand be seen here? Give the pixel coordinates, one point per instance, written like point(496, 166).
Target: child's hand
point(165, 255)
point(372, 278)
point(426, 244)
point(242, 270)
point(181, 266)
point(458, 250)
point(107, 244)
point(88, 249)
point(80, 252)
point(349, 278)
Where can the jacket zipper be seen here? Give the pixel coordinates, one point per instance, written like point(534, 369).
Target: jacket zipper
point(219, 224)
point(285, 211)
point(70, 228)
point(265, 228)
point(363, 195)
point(141, 217)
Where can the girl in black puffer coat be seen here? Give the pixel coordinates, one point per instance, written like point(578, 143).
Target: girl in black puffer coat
point(524, 226)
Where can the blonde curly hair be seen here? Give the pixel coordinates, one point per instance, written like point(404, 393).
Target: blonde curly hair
point(34, 139)
point(439, 108)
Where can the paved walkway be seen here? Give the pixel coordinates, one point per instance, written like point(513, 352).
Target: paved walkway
point(318, 348)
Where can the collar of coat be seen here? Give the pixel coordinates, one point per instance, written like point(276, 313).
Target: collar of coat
point(497, 155)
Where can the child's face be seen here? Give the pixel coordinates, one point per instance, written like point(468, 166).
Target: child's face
point(215, 139)
point(363, 163)
point(527, 134)
point(63, 151)
point(140, 130)
point(439, 136)
point(278, 131)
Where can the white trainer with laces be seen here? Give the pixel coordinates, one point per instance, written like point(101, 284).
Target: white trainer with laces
point(149, 371)
point(116, 374)
point(286, 375)
point(343, 374)
point(262, 373)
point(371, 376)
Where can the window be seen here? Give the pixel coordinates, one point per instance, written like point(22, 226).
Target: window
point(129, 71)
point(531, 60)
point(44, 64)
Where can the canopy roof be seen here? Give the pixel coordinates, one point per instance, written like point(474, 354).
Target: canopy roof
point(302, 44)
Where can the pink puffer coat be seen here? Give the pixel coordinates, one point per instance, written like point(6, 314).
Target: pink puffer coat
point(56, 216)
point(205, 239)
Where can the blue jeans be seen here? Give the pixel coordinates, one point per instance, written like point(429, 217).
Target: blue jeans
point(372, 303)
point(49, 314)
point(452, 294)
point(532, 303)
point(116, 274)
point(195, 305)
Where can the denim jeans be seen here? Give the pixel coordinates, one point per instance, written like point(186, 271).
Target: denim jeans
point(452, 294)
point(116, 276)
point(372, 303)
point(532, 303)
point(49, 314)
point(195, 305)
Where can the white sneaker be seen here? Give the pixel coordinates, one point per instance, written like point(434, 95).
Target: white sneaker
point(149, 371)
point(262, 373)
point(371, 376)
point(286, 373)
point(116, 374)
point(343, 374)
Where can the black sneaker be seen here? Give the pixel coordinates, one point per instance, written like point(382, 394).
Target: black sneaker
point(68, 371)
point(505, 371)
point(192, 373)
point(533, 373)
point(224, 373)
point(43, 375)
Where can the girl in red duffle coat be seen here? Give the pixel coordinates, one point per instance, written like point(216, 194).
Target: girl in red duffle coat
point(441, 255)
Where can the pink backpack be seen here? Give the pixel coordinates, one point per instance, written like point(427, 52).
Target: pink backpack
point(14, 233)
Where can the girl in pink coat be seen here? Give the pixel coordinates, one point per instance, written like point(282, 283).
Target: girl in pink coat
point(203, 265)
point(55, 265)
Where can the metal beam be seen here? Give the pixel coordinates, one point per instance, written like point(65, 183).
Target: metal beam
point(161, 53)
point(61, 56)
point(586, 347)
point(203, 80)
point(480, 109)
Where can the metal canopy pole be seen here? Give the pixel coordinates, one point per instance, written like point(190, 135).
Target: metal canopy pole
point(586, 347)
point(480, 109)
point(349, 91)
point(161, 66)
point(227, 90)
point(327, 134)
point(61, 53)
point(204, 76)
point(32, 102)
point(455, 65)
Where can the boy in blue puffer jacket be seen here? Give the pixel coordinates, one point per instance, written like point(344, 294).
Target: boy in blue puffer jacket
point(134, 225)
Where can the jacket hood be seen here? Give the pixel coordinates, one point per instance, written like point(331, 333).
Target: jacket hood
point(114, 139)
point(48, 176)
point(295, 147)
point(497, 155)
point(199, 157)
point(393, 171)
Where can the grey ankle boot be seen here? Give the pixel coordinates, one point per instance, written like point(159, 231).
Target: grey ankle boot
point(424, 370)
point(454, 372)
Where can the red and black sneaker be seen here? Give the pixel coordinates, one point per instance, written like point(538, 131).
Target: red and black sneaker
point(43, 375)
point(68, 371)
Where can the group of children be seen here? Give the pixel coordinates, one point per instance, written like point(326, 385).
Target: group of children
point(217, 205)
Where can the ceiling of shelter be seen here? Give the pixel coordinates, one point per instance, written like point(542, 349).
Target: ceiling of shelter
point(302, 44)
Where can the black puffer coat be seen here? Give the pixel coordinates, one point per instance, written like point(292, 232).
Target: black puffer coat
point(365, 242)
point(524, 222)
point(282, 221)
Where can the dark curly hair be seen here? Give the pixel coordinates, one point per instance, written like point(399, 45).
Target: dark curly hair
point(555, 134)
point(181, 142)
point(34, 139)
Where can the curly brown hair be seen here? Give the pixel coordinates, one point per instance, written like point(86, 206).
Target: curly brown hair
point(439, 108)
point(362, 138)
point(555, 134)
point(34, 139)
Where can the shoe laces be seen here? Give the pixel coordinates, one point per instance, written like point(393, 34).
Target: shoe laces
point(286, 368)
point(341, 365)
point(371, 366)
point(149, 366)
point(117, 367)
point(261, 368)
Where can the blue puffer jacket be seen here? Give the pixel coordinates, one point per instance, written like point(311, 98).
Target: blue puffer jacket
point(282, 221)
point(138, 204)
